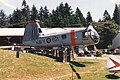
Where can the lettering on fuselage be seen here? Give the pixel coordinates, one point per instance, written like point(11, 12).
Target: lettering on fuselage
point(40, 41)
point(55, 39)
point(47, 40)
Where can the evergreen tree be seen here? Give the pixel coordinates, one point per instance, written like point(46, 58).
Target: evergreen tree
point(61, 9)
point(116, 14)
point(24, 3)
point(3, 18)
point(60, 12)
point(50, 23)
point(89, 18)
point(19, 16)
point(41, 16)
point(45, 12)
point(67, 14)
point(106, 16)
point(67, 10)
point(73, 19)
point(55, 18)
point(62, 15)
point(34, 13)
point(46, 16)
point(2, 15)
point(25, 11)
point(80, 17)
point(16, 16)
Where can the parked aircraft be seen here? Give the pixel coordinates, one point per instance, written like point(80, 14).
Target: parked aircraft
point(58, 37)
point(113, 64)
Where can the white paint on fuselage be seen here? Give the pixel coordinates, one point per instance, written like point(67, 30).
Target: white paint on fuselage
point(55, 31)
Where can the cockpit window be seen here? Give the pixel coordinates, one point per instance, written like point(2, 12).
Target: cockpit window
point(40, 31)
point(83, 34)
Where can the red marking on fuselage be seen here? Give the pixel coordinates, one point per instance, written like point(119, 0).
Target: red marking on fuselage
point(85, 39)
point(116, 64)
point(72, 37)
point(34, 22)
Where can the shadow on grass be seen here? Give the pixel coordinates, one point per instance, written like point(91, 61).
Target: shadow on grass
point(77, 64)
point(77, 74)
point(53, 57)
point(88, 62)
point(112, 76)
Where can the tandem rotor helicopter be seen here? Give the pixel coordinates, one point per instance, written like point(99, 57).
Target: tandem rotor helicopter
point(36, 36)
point(61, 38)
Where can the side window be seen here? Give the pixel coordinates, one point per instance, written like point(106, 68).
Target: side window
point(83, 34)
point(40, 31)
point(64, 36)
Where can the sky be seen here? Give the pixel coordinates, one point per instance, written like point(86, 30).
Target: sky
point(96, 7)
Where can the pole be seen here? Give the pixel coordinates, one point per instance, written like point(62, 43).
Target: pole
point(17, 54)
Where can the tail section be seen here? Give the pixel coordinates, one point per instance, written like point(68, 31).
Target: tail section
point(32, 31)
point(113, 64)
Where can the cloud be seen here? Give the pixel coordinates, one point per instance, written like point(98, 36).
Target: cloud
point(6, 3)
point(115, 1)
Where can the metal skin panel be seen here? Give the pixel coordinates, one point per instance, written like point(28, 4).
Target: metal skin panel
point(116, 41)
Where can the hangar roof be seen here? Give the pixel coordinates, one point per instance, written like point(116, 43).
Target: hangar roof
point(12, 31)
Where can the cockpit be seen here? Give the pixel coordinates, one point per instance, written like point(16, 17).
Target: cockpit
point(92, 33)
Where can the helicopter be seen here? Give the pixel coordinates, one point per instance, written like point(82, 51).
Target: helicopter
point(36, 36)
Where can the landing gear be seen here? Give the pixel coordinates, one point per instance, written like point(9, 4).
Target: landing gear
point(68, 54)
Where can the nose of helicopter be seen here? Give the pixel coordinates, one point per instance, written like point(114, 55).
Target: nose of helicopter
point(96, 39)
point(93, 34)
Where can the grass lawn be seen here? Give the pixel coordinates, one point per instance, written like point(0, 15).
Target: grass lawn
point(36, 67)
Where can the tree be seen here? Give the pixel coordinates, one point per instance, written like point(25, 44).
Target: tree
point(67, 10)
point(41, 16)
point(89, 18)
point(67, 14)
point(16, 16)
point(46, 16)
point(80, 17)
point(116, 14)
point(56, 18)
point(45, 12)
point(25, 11)
point(107, 31)
point(34, 13)
point(106, 16)
point(61, 16)
point(61, 9)
point(3, 19)
point(20, 15)
point(24, 3)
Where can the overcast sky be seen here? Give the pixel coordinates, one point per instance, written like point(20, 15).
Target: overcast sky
point(96, 7)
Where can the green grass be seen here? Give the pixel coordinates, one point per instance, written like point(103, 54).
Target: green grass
point(37, 67)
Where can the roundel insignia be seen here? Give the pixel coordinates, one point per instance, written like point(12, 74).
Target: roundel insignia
point(48, 40)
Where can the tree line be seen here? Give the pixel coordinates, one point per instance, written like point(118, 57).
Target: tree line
point(64, 16)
